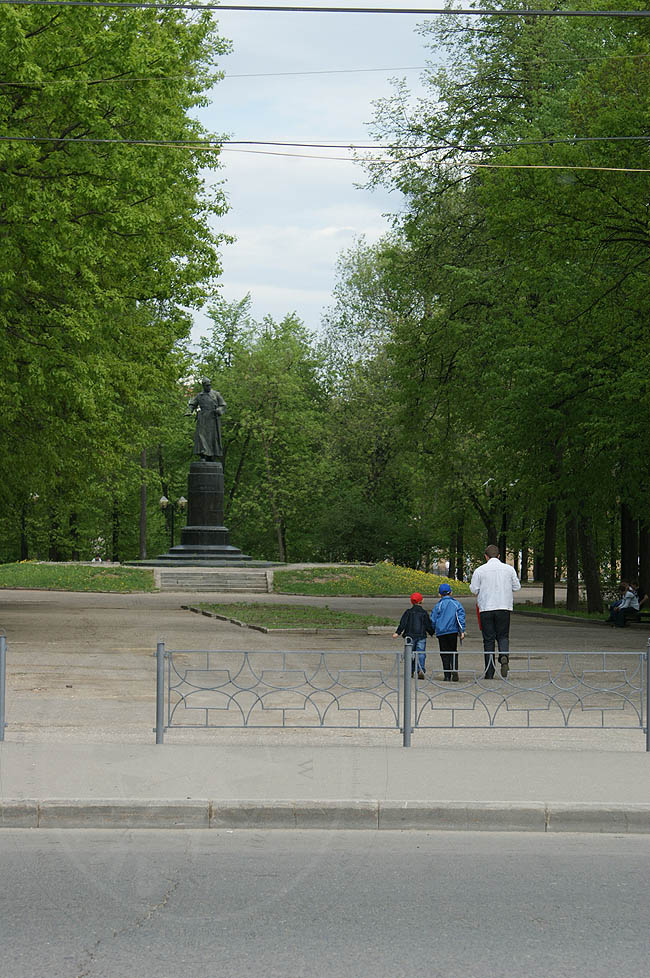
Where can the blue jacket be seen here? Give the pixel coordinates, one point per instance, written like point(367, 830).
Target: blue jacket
point(448, 616)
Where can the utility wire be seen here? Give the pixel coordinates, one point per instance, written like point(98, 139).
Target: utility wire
point(551, 166)
point(216, 143)
point(206, 145)
point(322, 71)
point(223, 75)
point(419, 11)
point(219, 74)
point(497, 166)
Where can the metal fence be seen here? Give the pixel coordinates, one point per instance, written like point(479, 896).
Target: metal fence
point(376, 690)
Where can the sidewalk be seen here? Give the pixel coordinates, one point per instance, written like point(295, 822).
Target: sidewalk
point(80, 751)
point(195, 786)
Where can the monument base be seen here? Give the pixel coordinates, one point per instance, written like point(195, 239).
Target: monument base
point(204, 552)
point(204, 538)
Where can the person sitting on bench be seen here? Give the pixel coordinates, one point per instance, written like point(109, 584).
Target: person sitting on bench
point(626, 608)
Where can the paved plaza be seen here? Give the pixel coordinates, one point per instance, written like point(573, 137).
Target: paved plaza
point(80, 738)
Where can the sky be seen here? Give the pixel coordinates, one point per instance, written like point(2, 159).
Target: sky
point(292, 218)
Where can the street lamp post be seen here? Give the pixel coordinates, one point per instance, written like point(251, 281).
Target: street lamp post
point(166, 504)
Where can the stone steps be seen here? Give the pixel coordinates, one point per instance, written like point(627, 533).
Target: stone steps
point(250, 581)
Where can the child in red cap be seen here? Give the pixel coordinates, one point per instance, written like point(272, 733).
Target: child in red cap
point(416, 625)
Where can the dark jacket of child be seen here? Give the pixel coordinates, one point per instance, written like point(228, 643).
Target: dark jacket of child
point(415, 623)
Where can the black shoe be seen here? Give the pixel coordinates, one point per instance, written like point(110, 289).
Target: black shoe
point(505, 665)
point(454, 677)
point(421, 673)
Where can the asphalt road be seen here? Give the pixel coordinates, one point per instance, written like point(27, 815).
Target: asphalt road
point(90, 904)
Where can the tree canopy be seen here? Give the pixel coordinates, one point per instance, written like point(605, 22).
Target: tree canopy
point(481, 374)
point(104, 245)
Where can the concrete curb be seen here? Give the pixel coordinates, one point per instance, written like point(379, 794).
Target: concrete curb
point(349, 814)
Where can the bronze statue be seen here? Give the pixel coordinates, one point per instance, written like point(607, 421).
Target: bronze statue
point(209, 406)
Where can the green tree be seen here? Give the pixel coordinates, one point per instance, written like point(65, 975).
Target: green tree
point(275, 450)
point(103, 245)
point(525, 269)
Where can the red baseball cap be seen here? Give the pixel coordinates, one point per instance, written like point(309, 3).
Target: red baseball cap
point(416, 597)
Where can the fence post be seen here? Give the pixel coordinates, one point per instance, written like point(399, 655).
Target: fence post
point(406, 719)
point(3, 676)
point(160, 692)
point(647, 697)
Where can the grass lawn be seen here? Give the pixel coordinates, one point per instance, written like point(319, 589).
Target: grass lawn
point(376, 581)
point(290, 616)
point(75, 577)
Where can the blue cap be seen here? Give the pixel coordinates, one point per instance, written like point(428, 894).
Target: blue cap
point(444, 589)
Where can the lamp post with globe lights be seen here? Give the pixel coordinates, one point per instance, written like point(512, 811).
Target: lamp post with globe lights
point(167, 506)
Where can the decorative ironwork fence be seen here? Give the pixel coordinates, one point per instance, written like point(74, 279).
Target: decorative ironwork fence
point(358, 690)
point(376, 690)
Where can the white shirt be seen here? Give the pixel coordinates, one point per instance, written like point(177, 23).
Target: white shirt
point(630, 600)
point(493, 583)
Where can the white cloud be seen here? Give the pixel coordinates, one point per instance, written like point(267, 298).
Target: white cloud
point(293, 217)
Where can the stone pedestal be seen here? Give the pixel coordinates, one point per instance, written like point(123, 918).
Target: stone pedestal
point(205, 537)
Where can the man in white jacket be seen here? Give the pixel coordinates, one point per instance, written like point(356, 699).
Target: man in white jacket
point(493, 583)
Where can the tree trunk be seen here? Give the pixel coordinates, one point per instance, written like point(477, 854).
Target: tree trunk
point(161, 470)
point(590, 568)
point(24, 548)
point(451, 573)
point(278, 518)
point(460, 556)
point(503, 534)
point(629, 545)
point(525, 562)
point(238, 474)
point(572, 591)
point(143, 507)
point(525, 553)
point(613, 559)
point(644, 558)
point(550, 534)
point(282, 539)
point(54, 552)
point(73, 524)
point(115, 549)
point(538, 566)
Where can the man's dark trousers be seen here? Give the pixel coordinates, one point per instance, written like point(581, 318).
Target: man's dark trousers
point(495, 625)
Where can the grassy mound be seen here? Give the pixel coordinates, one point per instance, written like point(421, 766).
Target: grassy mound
point(293, 616)
point(377, 581)
point(75, 577)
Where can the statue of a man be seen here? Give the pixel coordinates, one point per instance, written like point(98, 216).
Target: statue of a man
point(209, 406)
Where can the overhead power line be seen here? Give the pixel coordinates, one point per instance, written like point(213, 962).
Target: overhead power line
point(321, 71)
point(410, 11)
point(217, 143)
point(236, 146)
point(221, 74)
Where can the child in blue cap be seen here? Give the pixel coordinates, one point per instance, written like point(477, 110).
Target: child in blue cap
point(448, 620)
